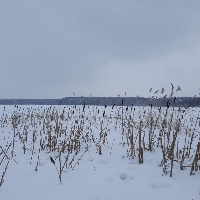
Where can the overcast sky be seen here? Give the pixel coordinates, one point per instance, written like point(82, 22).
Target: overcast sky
point(52, 48)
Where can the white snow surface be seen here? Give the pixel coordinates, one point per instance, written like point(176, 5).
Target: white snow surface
point(113, 175)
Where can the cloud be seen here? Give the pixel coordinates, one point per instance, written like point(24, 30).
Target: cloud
point(50, 49)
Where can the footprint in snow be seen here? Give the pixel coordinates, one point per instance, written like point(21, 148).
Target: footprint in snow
point(123, 176)
point(91, 159)
point(160, 184)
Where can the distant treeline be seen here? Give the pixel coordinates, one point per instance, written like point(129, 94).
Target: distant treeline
point(107, 101)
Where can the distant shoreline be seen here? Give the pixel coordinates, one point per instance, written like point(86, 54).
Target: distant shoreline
point(107, 101)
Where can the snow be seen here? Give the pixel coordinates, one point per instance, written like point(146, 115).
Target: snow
point(112, 174)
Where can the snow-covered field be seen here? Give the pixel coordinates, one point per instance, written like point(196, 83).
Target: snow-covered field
point(99, 153)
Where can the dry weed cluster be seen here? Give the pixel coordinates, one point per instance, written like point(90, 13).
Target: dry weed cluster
point(66, 133)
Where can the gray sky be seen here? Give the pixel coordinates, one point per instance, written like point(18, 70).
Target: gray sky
point(52, 48)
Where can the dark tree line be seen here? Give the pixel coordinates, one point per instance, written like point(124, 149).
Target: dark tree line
point(108, 101)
